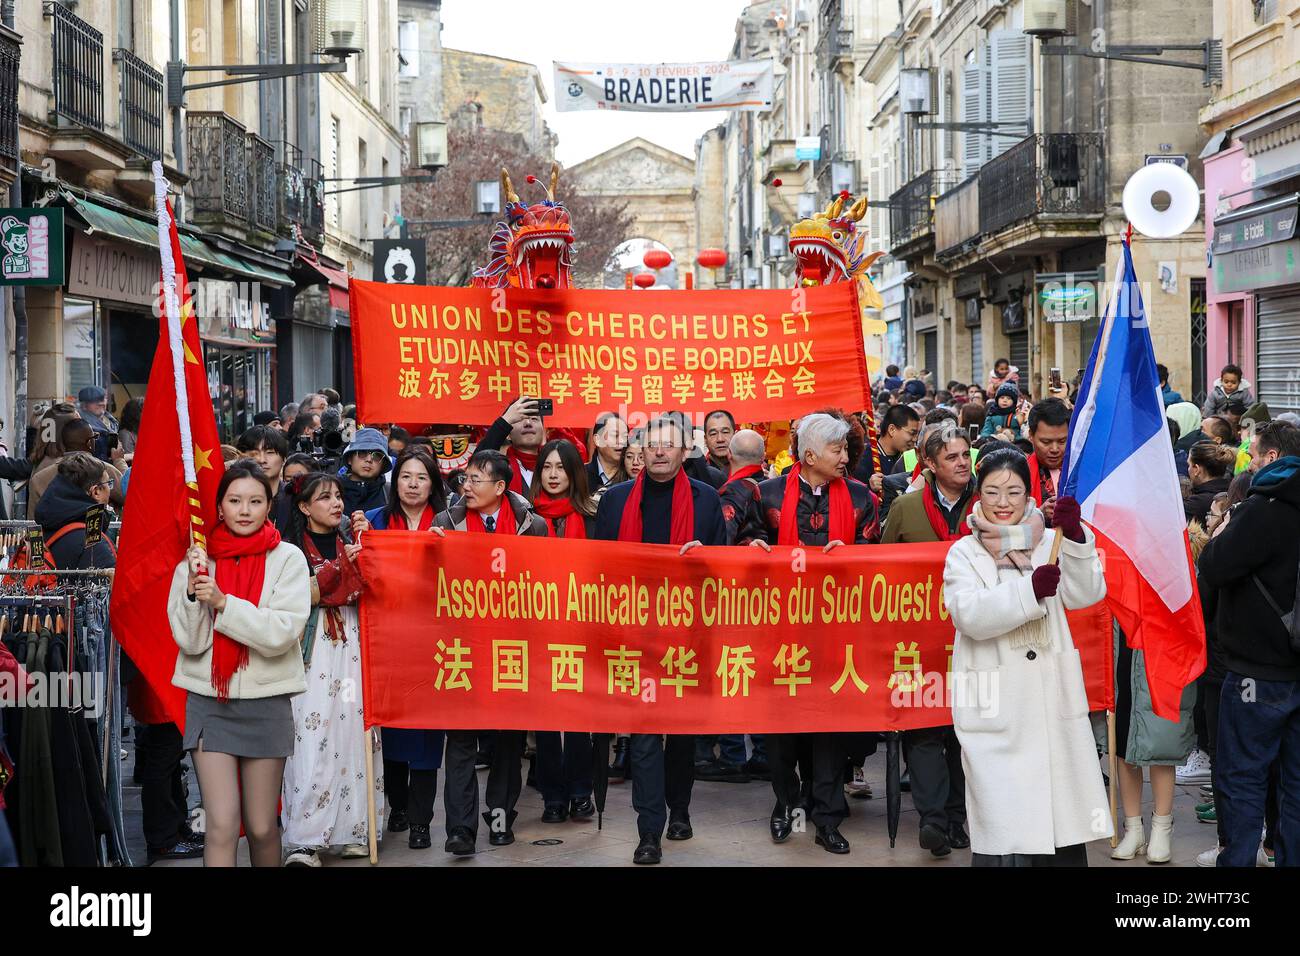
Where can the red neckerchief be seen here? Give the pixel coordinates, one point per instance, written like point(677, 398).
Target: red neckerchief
point(1040, 480)
point(397, 520)
point(518, 458)
point(240, 571)
point(338, 581)
point(683, 521)
point(842, 521)
point(749, 471)
point(939, 524)
point(505, 519)
point(555, 509)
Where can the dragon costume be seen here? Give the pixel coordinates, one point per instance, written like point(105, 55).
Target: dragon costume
point(531, 248)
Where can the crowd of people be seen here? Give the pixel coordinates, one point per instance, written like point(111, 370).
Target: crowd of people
point(266, 624)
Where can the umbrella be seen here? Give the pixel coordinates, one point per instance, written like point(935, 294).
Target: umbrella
point(600, 775)
point(893, 788)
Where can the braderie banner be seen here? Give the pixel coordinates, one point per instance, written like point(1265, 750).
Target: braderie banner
point(434, 354)
point(472, 631)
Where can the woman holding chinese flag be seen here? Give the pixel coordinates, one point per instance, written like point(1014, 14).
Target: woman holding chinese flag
point(325, 800)
point(236, 613)
point(1034, 792)
point(412, 758)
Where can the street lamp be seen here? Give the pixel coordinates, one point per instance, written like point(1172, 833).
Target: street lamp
point(487, 197)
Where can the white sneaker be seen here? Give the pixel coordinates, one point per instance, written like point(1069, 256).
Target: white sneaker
point(302, 857)
point(1195, 771)
point(859, 787)
point(1264, 858)
point(1134, 842)
point(355, 851)
point(1209, 857)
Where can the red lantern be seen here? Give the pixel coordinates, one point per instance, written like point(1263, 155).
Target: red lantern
point(644, 280)
point(657, 259)
point(712, 258)
point(777, 183)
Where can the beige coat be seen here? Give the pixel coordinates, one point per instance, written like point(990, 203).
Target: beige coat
point(271, 629)
point(1033, 780)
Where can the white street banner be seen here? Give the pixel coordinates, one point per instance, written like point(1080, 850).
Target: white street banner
point(664, 87)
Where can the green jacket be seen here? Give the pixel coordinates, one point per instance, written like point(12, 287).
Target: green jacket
point(1152, 740)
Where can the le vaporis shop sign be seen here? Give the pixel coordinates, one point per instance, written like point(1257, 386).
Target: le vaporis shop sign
point(553, 634)
point(433, 354)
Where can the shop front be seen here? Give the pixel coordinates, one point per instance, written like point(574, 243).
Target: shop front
point(238, 351)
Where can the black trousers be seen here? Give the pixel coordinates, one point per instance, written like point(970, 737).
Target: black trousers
point(1074, 855)
point(662, 775)
point(505, 779)
point(821, 760)
point(411, 791)
point(933, 758)
point(158, 753)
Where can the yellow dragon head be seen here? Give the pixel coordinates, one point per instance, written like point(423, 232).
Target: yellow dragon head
point(830, 247)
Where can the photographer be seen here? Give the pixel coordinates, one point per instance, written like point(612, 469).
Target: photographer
point(366, 461)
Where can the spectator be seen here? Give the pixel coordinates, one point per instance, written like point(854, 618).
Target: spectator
point(266, 420)
point(269, 448)
point(77, 435)
point(897, 436)
point(1002, 415)
point(288, 413)
point(609, 436)
point(1003, 372)
point(1209, 466)
point(1167, 393)
point(314, 403)
point(92, 403)
point(366, 461)
point(1230, 386)
point(128, 429)
point(719, 426)
point(892, 380)
point(398, 439)
point(1049, 429)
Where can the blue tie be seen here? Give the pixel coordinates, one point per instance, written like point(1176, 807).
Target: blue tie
point(490, 523)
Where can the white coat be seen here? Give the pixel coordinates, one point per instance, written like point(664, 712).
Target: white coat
point(1033, 780)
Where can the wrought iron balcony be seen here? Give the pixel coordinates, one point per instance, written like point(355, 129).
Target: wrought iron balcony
point(261, 183)
point(141, 89)
point(78, 68)
point(10, 54)
point(835, 35)
point(1043, 174)
point(299, 192)
point(217, 158)
point(911, 209)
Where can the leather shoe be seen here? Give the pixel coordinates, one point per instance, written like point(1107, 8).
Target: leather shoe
point(957, 837)
point(648, 850)
point(757, 769)
point(460, 842)
point(504, 838)
point(419, 838)
point(680, 829)
point(935, 840)
point(781, 824)
point(582, 809)
point(180, 850)
point(397, 822)
point(555, 814)
point(832, 840)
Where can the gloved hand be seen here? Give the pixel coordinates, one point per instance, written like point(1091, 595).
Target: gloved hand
point(1065, 519)
point(1046, 579)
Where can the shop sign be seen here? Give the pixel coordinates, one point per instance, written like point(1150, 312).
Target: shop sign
point(232, 308)
point(32, 241)
point(1067, 296)
point(116, 271)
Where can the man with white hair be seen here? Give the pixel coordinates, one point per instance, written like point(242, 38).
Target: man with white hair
point(814, 504)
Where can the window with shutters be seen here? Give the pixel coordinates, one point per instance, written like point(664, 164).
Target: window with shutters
point(408, 42)
point(1011, 92)
point(973, 98)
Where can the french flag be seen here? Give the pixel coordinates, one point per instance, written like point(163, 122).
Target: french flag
point(1119, 465)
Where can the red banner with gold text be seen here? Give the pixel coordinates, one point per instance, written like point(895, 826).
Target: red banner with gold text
point(458, 356)
point(473, 631)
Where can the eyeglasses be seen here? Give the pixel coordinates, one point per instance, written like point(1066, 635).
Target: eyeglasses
point(479, 481)
point(371, 455)
point(105, 484)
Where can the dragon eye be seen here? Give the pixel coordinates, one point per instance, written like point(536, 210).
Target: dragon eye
point(837, 235)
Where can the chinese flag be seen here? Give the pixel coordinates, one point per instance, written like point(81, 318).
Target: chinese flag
point(160, 510)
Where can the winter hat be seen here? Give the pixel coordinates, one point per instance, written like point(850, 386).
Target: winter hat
point(914, 389)
point(369, 439)
point(1009, 389)
point(91, 394)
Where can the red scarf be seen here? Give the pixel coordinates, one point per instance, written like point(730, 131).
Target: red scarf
point(517, 459)
point(397, 520)
point(683, 525)
point(938, 522)
point(505, 518)
point(338, 581)
point(1040, 481)
point(553, 509)
point(747, 472)
point(842, 519)
point(240, 571)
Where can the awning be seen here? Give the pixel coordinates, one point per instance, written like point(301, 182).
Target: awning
point(143, 232)
point(338, 284)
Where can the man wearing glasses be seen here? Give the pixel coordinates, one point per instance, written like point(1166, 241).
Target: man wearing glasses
point(367, 461)
point(662, 506)
point(487, 506)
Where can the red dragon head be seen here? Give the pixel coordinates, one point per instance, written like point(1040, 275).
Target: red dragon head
point(532, 247)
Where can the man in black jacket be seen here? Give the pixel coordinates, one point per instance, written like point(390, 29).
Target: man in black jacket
point(610, 440)
point(662, 776)
point(898, 431)
point(1252, 563)
point(366, 462)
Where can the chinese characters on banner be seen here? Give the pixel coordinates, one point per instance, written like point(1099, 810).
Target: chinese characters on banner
point(432, 354)
point(541, 634)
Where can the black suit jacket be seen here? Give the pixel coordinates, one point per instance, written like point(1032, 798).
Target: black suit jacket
point(709, 526)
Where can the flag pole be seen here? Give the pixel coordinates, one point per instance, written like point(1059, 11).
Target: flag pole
point(171, 302)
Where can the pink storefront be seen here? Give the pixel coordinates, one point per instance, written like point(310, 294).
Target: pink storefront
point(1252, 197)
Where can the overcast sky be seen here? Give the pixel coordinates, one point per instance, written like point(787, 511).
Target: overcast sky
point(616, 31)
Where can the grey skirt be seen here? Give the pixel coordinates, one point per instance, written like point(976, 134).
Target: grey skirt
point(257, 728)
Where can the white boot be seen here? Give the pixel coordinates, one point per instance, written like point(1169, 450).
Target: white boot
point(1134, 842)
point(1161, 847)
